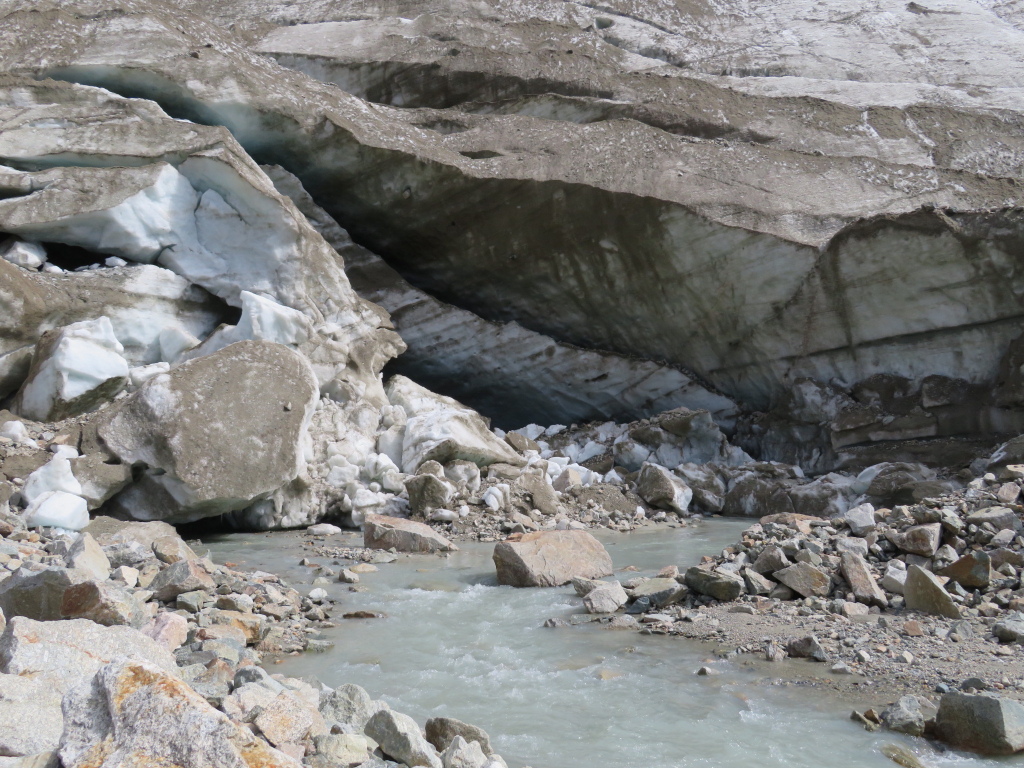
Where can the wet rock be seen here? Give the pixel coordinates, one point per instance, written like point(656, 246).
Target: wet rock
point(399, 737)
point(861, 580)
point(973, 570)
point(179, 578)
point(607, 597)
point(440, 732)
point(381, 532)
point(69, 652)
point(550, 559)
point(660, 592)
point(987, 724)
point(924, 592)
point(662, 489)
point(904, 716)
point(806, 580)
point(717, 584)
point(103, 717)
point(198, 429)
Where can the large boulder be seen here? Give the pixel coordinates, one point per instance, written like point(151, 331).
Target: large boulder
point(134, 713)
point(383, 532)
point(69, 652)
point(991, 725)
point(923, 592)
point(39, 595)
point(216, 433)
point(716, 584)
point(550, 559)
point(862, 582)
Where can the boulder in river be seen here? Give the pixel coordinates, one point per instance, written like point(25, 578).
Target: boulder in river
point(991, 725)
point(550, 559)
point(383, 532)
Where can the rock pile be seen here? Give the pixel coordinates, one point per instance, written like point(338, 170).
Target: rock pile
point(120, 643)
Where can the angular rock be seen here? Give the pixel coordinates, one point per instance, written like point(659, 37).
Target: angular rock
point(463, 754)
point(660, 592)
point(923, 592)
point(178, 578)
point(343, 749)
point(38, 594)
point(1010, 628)
point(74, 369)
point(973, 570)
point(987, 724)
point(382, 532)
point(1001, 518)
point(717, 584)
point(87, 556)
point(69, 652)
point(771, 559)
point(756, 583)
point(440, 732)
point(171, 549)
point(608, 597)
point(103, 602)
point(288, 720)
point(895, 577)
point(134, 713)
point(904, 716)
point(805, 579)
point(923, 540)
point(217, 432)
point(550, 559)
point(168, 629)
point(399, 737)
point(662, 489)
point(99, 480)
point(807, 647)
point(427, 493)
point(861, 580)
point(860, 519)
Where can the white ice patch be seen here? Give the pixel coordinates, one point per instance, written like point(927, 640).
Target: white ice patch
point(30, 256)
point(140, 375)
point(86, 356)
point(58, 509)
point(55, 475)
point(262, 319)
point(16, 431)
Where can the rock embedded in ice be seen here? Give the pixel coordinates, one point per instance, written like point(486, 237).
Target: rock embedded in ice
point(662, 489)
point(30, 256)
point(58, 509)
point(216, 433)
point(75, 368)
point(442, 429)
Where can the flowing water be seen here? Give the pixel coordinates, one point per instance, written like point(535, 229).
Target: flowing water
point(453, 643)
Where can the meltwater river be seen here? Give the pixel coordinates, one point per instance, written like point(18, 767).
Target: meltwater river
point(456, 644)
